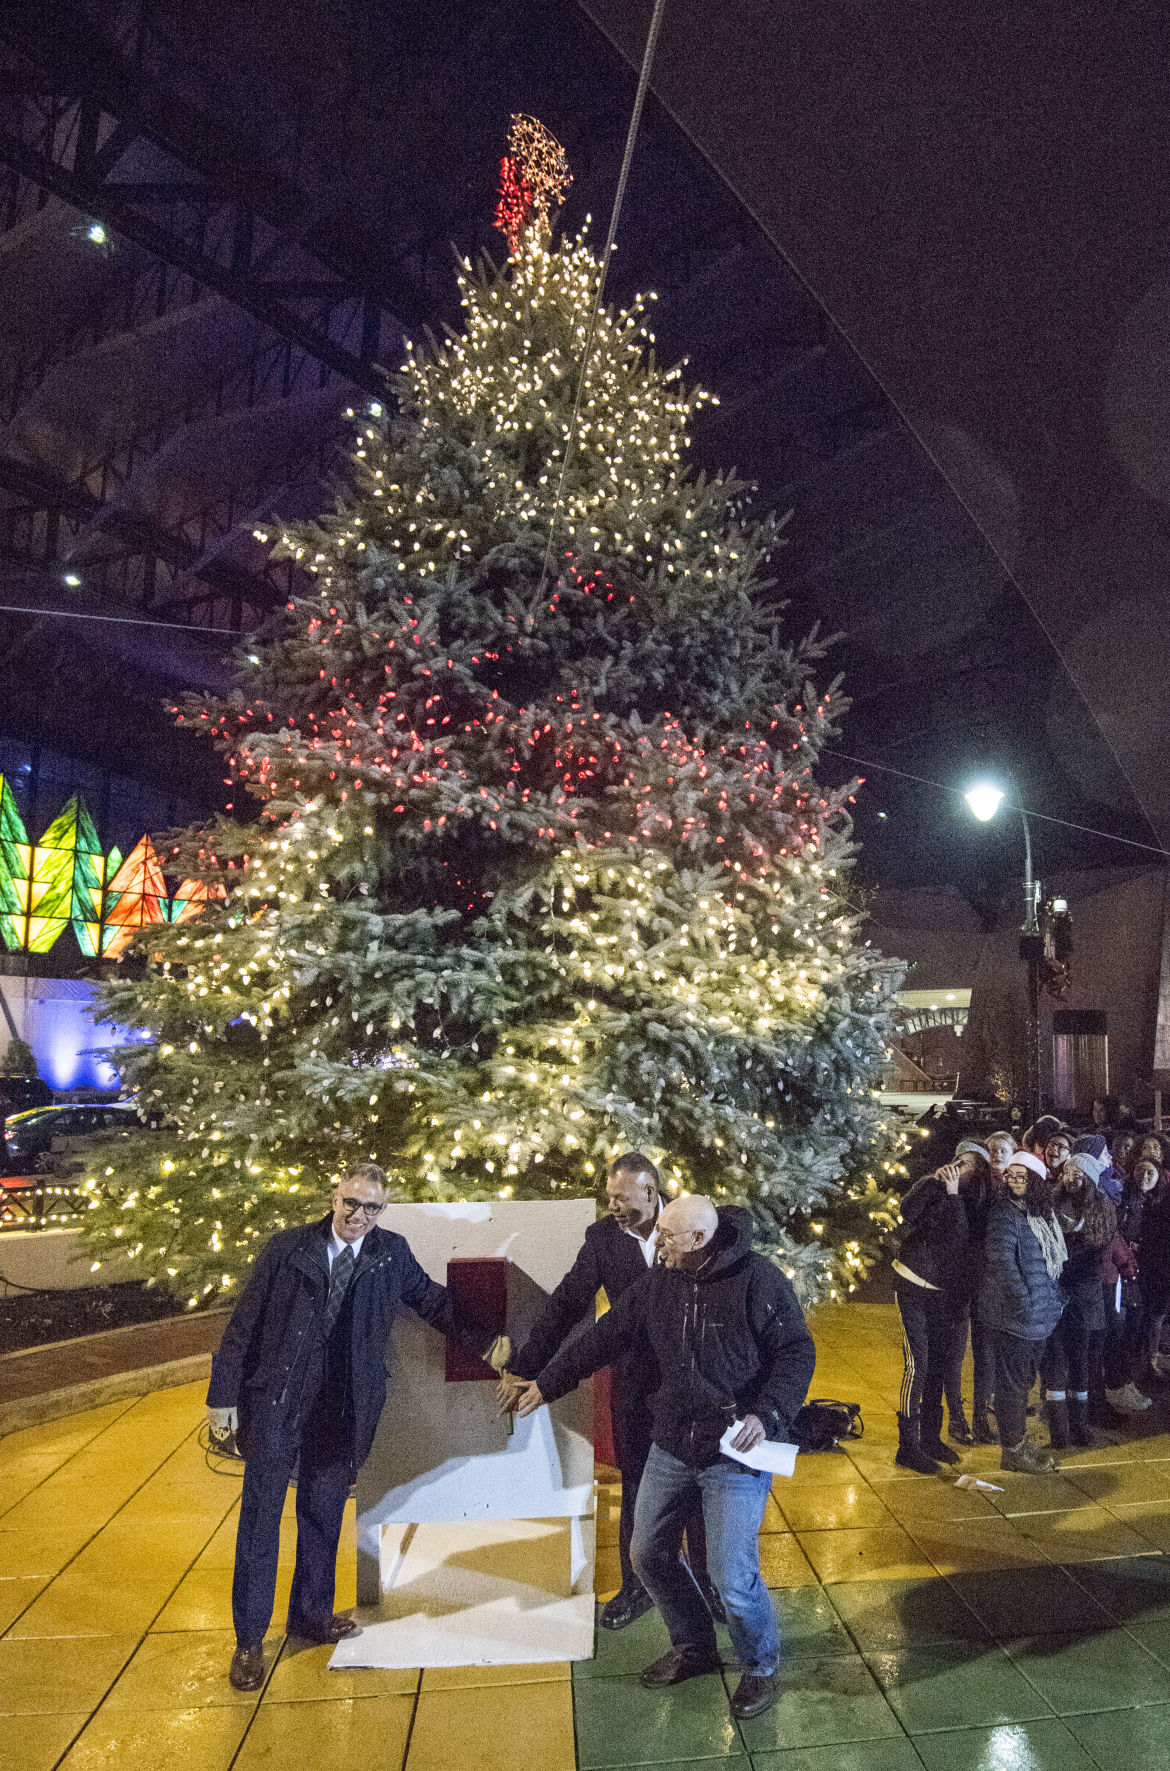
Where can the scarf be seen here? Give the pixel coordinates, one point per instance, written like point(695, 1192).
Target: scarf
point(1050, 1236)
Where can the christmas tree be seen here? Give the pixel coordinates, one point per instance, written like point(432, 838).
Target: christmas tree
point(540, 869)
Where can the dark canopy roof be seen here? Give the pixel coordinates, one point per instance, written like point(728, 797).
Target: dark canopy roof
point(916, 260)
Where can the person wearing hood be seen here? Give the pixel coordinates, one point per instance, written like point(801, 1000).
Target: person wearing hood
point(1088, 1220)
point(722, 1329)
point(1020, 1301)
point(943, 1217)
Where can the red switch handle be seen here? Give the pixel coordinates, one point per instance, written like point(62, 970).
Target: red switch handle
point(479, 1288)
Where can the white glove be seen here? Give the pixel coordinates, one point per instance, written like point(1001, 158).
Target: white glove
point(224, 1420)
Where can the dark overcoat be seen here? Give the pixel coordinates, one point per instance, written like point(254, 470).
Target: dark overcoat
point(609, 1260)
point(271, 1360)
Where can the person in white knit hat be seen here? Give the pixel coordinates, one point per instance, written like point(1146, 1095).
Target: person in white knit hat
point(1020, 1301)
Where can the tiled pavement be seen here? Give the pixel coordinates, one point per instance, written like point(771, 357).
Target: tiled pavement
point(925, 1628)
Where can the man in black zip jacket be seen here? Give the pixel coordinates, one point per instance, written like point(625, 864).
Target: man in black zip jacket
point(728, 1342)
point(301, 1376)
point(616, 1252)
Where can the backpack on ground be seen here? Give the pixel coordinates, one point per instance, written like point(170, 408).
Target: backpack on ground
point(821, 1424)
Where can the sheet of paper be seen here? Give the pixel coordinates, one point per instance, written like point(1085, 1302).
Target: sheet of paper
point(770, 1454)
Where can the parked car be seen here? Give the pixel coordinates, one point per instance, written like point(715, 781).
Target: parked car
point(30, 1138)
point(20, 1093)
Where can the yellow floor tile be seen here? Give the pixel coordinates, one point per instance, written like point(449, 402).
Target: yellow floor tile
point(773, 1519)
point(1118, 1484)
point(458, 1678)
point(827, 1468)
point(825, 1507)
point(61, 1438)
point(366, 1734)
point(1149, 1518)
point(181, 1671)
point(42, 1552)
point(35, 1743)
point(59, 1674)
point(95, 1602)
point(964, 1546)
point(302, 1675)
point(487, 1727)
point(1055, 1493)
point(783, 1562)
point(203, 1600)
point(884, 1553)
point(161, 1740)
point(1082, 1536)
point(607, 1576)
point(16, 1596)
point(933, 1502)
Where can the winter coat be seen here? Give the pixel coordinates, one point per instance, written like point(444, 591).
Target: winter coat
point(725, 1340)
point(610, 1260)
point(1154, 1251)
point(1087, 1266)
point(935, 1234)
point(1016, 1291)
point(271, 1360)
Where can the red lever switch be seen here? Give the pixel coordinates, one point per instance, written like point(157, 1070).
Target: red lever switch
point(479, 1289)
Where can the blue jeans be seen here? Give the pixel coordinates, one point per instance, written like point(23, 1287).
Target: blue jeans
point(733, 1500)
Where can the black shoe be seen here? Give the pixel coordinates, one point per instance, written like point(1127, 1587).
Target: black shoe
point(323, 1629)
point(1057, 1416)
point(755, 1693)
point(982, 1429)
point(712, 1601)
point(247, 1668)
point(631, 1603)
point(942, 1454)
point(959, 1433)
point(675, 1666)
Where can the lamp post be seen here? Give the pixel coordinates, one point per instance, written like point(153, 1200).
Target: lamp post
point(984, 800)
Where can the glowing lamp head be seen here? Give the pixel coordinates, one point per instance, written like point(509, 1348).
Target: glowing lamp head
point(984, 800)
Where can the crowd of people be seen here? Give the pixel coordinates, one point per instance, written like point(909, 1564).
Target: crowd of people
point(1050, 1254)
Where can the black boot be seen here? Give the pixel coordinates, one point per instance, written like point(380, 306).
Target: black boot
point(939, 1450)
point(1079, 1430)
point(957, 1428)
point(1056, 1415)
point(982, 1427)
point(910, 1455)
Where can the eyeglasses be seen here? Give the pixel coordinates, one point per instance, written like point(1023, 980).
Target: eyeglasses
point(353, 1207)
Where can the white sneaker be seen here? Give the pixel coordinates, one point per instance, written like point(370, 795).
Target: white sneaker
point(1128, 1399)
point(1161, 1364)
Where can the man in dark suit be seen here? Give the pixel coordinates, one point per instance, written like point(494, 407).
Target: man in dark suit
point(300, 1375)
point(618, 1250)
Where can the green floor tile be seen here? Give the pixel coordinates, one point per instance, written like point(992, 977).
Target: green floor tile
point(896, 1613)
point(1132, 1589)
point(1154, 1638)
point(808, 1623)
point(620, 1723)
point(1032, 1601)
point(618, 1653)
point(1126, 1740)
point(1044, 1745)
point(1105, 1671)
point(952, 1685)
point(822, 1703)
point(860, 1755)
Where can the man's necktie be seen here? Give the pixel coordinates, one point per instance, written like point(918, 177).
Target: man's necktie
point(340, 1274)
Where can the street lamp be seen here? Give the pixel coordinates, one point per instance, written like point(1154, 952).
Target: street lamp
point(984, 800)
